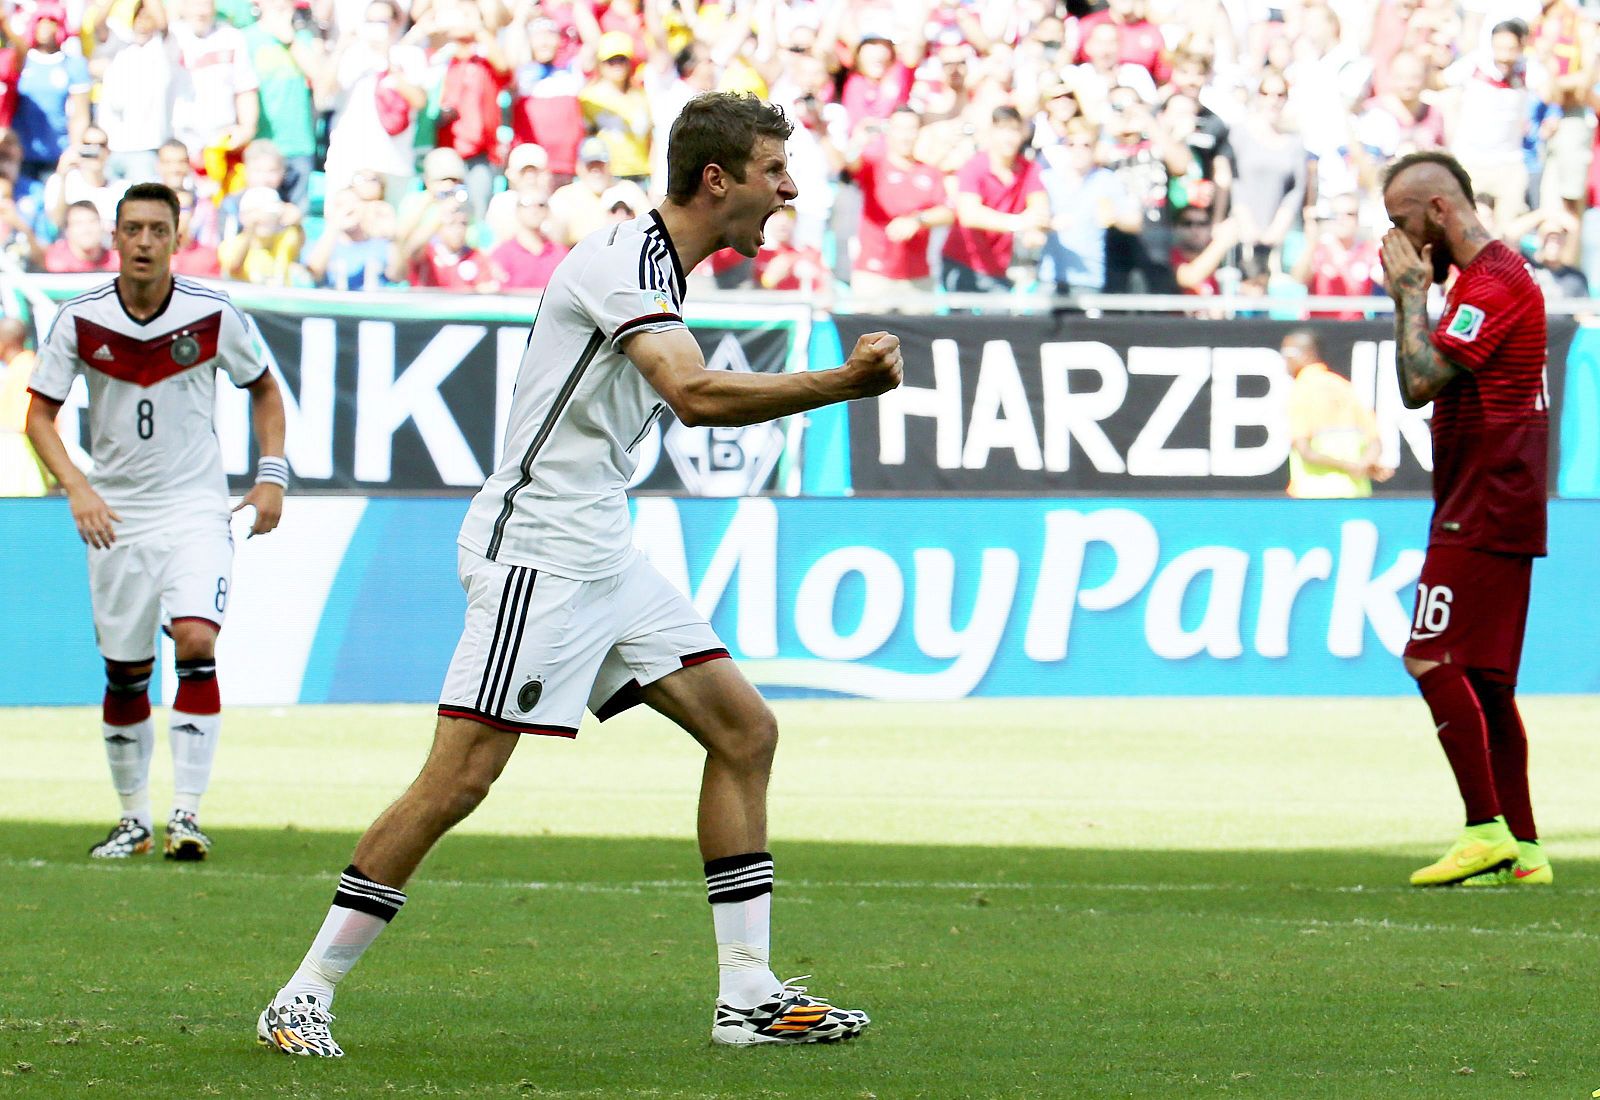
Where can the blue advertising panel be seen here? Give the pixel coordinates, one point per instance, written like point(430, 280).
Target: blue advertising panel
point(357, 600)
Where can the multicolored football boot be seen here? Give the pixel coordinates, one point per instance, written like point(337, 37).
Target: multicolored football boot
point(789, 1016)
point(126, 838)
point(298, 1026)
point(185, 841)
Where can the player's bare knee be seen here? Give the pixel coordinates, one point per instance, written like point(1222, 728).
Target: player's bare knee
point(1417, 668)
point(194, 639)
point(749, 743)
point(465, 794)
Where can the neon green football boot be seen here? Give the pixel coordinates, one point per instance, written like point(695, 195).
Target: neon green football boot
point(1532, 868)
point(1480, 848)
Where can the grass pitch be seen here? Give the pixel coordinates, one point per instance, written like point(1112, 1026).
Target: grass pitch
point(1072, 898)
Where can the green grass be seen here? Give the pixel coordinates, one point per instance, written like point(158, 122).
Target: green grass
point(1073, 898)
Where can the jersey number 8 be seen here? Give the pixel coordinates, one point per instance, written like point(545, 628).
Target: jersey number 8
point(146, 422)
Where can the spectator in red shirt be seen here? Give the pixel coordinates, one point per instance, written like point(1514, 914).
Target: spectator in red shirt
point(782, 265)
point(11, 57)
point(191, 257)
point(879, 81)
point(1198, 249)
point(475, 69)
point(524, 264)
point(901, 200)
point(1140, 40)
point(443, 259)
point(999, 194)
point(82, 246)
point(624, 17)
point(1336, 261)
point(544, 101)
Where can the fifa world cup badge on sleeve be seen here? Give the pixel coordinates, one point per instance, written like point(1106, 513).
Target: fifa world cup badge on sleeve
point(185, 350)
point(1466, 323)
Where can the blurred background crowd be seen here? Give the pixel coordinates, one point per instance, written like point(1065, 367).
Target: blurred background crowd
point(1159, 146)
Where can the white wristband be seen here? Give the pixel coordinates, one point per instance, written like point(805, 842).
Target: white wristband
point(273, 471)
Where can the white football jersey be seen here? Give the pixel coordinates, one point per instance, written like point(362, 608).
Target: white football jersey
point(558, 502)
point(152, 397)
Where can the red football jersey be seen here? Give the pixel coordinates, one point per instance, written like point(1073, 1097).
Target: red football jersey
point(980, 249)
point(888, 192)
point(1491, 425)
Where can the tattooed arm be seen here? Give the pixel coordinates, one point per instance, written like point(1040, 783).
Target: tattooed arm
point(1423, 371)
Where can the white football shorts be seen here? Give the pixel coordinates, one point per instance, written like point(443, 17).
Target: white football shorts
point(537, 649)
point(135, 585)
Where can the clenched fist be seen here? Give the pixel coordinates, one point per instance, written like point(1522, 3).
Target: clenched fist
point(874, 365)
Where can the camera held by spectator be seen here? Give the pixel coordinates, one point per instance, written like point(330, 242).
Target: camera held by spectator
point(266, 249)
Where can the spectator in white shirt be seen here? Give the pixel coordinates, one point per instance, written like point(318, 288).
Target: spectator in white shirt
point(1492, 104)
point(216, 109)
point(527, 176)
point(368, 55)
point(81, 177)
point(135, 105)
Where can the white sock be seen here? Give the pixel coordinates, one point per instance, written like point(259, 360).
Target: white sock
point(744, 973)
point(344, 935)
point(128, 751)
point(361, 909)
point(194, 747)
point(739, 889)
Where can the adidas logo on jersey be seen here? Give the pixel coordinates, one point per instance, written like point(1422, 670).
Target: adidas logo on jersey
point(103, 354)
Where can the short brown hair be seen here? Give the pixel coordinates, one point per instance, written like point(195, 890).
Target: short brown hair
point(149, 192)
point(718, 128)
point(1430, 156)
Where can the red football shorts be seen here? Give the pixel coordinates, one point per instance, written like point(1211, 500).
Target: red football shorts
point(1472, 610)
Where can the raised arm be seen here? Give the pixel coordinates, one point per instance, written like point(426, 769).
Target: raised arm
point(671, 362)
point(1423, 371)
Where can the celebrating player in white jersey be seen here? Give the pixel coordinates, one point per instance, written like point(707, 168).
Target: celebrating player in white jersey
point(154, 510)
point(563, 613)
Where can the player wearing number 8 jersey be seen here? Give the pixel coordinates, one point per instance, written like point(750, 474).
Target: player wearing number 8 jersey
point(563, 614)
point(154, 509)
point(1483, 369)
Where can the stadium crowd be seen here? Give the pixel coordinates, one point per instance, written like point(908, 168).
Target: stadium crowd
point(1193, 146)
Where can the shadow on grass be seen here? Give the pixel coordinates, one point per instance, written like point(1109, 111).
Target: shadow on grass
point(551, 966)
point(628, 860)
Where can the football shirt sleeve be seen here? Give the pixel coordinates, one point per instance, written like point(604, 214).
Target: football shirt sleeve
point(1472, 330)
point(244, 70)
point(79, 80)
point(623, 296)
point(238, 352)
point(57, 363)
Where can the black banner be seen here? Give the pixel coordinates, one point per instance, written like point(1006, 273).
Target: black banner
point(398, 404)
point(1063, 404)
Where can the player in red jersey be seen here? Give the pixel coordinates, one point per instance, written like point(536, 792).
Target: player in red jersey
point(1483, 369)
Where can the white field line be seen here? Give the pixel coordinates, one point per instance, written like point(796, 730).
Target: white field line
point(695, 888)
